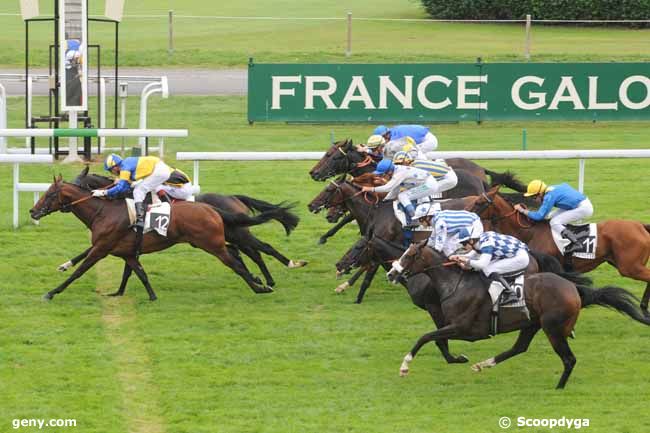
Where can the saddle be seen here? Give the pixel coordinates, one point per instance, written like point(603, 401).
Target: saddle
point(158, 214)
point(505, 315)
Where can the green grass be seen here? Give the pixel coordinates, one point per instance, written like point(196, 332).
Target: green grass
point(229, 43)
point(210, 356)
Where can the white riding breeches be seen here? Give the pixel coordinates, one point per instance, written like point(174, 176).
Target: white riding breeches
point(560, 217)
point(428, 188)
point(505, 266)
point(184, 192)
point(429, 144)
point(160, 174)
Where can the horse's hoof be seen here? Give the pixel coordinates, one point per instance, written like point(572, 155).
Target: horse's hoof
point(477, 368)
point(114, 294)
point(152, 298)
point(342, 287)
point(358, 301)
point(263, 290)
point(296, 264)
point(403, 373)
point(64, 267)
point(460, 359)
point(322, 241)
point(48, 297)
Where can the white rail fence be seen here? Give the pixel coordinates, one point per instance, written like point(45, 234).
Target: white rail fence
point(19, 186)
point(580, 155)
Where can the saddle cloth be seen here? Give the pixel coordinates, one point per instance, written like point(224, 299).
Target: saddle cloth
point(157, 218)
point(517, 312)
point(398, 210)
point(587, 235)
point(517, 285)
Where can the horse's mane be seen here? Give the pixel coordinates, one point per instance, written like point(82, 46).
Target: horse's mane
point(516, 197)
point(508, 179)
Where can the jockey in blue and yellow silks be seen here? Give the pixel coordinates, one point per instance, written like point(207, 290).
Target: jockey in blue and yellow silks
point(149, 170)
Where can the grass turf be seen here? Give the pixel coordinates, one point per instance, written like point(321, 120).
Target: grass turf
point(211, 356)
point(230, 42)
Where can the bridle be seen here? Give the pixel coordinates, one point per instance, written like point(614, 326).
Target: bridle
point(349, 164)
point(428, 269)
point(64, 207)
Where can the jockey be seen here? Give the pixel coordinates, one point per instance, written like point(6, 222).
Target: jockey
point(417, 184)
point(374, 147)
point(447, 225)
point(571, 206)
point(151, 171)
point(444, 175)
point(425, 141)
point(494, 254)
point(178, 186)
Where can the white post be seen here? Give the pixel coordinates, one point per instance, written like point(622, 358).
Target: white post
point(161, 147)
point(36, 197)
point(581, 175)
point(527, 49)
point(3, 117)
point(170, 29)
point(196, 172)
point(348, 49)
point(16, 200)
point(124, 86)
point(72, 143)
point(147, 91)
point(102, 118)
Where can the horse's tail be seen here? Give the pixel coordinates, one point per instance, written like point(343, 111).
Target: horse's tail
point(507, 178)
point(242, 220)
point(549, 263)
point(288, 220)
point(614, 298)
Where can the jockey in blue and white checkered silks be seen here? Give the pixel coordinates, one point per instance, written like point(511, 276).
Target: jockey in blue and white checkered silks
point(447, 225)
point(494, 254)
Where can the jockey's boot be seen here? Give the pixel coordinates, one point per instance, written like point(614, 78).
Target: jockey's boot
point(139, 215)
point(508, 295)
point(410, 210)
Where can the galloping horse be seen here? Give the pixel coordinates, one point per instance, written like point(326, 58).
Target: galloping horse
point(198, 224)
point(238, 238)
point(554, 304)
point(623, 244)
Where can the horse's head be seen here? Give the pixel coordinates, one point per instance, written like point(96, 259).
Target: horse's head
point(331, 196)
point(335, 213)
point(53, 200)
point(358, 255)
point(342, 158)
point(416, 259)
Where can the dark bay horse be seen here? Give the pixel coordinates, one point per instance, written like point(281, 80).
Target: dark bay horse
point(238, 238)
point(198, 224)
point(373, 216)
point(623, 244)
point(554, 304)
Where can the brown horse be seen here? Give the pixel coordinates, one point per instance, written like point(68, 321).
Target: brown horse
point(623, 244)
point(554, 304)
point(198, 224)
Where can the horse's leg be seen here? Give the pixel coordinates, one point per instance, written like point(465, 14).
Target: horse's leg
point(367, 280)
point(331, 232)
point(73, 262)
point(444, 333)
point(234, 251)
point(256, 257)
point(269, 250)
point(134, 264)
point(436, 315)
point(646, 298)
point(345, 285)
point(126, 274)
point(521, 345)
point(561, 347)
point(95, 255)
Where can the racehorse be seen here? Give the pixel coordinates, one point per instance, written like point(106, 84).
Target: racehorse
point(238, 238)
point(372, 215)
point(623, 244)
point(198, 224)
point(554, 304)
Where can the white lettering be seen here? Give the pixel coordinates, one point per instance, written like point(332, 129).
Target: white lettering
point(623, 92)
point(357, 85)
point(566, 85)
point(277, 91)
point(405, 98)
point(593, 97)
point(422, 92)
point(538, 97)
point(463, 92)
point(324, 94)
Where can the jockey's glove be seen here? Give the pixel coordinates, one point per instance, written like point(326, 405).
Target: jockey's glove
point(99, 193)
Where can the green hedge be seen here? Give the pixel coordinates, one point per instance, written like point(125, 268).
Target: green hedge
point(539, 9)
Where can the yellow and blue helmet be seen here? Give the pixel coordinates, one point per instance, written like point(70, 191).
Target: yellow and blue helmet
point(111, 161)
point(402, 157)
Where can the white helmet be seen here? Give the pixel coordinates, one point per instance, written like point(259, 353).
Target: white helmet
point(425, 209)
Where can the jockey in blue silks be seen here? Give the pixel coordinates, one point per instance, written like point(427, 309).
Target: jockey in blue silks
point(425, 141)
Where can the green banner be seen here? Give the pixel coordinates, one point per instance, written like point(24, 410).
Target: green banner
point(448, 92)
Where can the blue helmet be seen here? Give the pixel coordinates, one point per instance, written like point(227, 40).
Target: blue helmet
point(384, 166)
point(111, 161)
point(380, 130)
point(465, 235)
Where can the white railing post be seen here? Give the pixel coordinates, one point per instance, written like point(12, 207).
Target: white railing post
point(196, 172)
point(528, 25)
point(581, 175)
point(16, 199)
point(102, 118)
point(73, 156)
point(348, 49)
point(147, 91)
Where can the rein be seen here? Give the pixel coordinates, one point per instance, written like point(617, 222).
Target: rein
point(518, 215)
